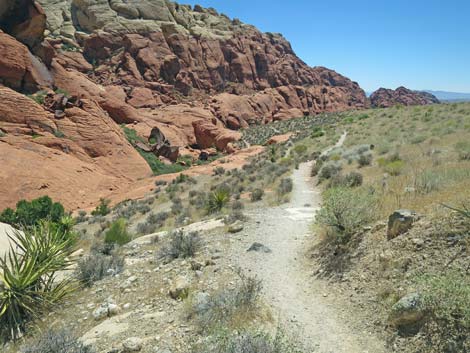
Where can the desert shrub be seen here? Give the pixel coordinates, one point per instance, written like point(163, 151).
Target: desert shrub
point(81, 216)
point(117, 233)
point(219, 170)
point(142, 208)
point(235, 215)
point(256, 195)
point(161, 183)
point(445, 299)
point(316, 167)
point(345, 211)
point(97, 265)
point(364, 160)
point(181, 178)
point(317, 132)
point(146, 227)
point(61, 341)
point(463, 150)
point(29, 283)
point(102, 209)
point(237, 205)
point(217, 200)
point(285, 186)
point(328, 171)
point(350, 180)
point(394, 168)
point(176, 206)
point(247, 342)
point(158, 218)
point(180, 245)
point(31, 213)
point(230, 306)
point(300, 149)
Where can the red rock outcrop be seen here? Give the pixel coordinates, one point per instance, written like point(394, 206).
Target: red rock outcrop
point(384, 98)
point(189, 73)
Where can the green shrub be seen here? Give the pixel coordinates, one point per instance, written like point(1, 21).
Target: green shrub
point(217, 200)
point(345, 211)
point(394, 168)
point(181, 245)
point(117, 233)
point(446, 298)
point(32, 213)
point(61, 341)
point(317, 132)
point(328, 171)
point(102, 209)
point(30, 285)
point(256, 195)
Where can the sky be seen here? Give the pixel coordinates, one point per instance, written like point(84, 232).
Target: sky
point(378, 43)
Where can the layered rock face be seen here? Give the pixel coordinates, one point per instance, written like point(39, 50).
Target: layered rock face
point(192, 74)
point(384, 98)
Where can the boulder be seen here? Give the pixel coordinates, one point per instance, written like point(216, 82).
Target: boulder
point(258, 247)
point(209, 135)
point(400, 222)
point(407, 313)
point(132, 344)
point(236, 227)
point(179, 288)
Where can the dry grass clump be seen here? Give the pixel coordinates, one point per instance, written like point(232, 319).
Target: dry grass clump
point(230, 307)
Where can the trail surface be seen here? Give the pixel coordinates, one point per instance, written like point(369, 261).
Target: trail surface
point(302, 303)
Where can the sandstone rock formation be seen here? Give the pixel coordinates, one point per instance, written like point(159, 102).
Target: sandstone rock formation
point(384, 98)
point(192, 74)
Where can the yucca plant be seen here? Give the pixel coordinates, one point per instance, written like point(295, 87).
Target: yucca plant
point(27, 276)
point(217, 200)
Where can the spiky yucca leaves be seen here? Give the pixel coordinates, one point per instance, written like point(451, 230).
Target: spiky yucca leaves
point(27, 276)
point(217, 200)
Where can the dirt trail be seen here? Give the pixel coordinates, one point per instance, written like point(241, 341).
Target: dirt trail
point(302, 302)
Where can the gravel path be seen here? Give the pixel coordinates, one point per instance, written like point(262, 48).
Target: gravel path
point(301, 302)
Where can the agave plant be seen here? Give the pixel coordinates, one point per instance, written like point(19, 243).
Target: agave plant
point(28, 282)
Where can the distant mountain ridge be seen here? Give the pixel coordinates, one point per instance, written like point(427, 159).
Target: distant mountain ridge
point(449, 96)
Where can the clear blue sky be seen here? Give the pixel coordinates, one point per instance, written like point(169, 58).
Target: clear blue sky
point(379, 43)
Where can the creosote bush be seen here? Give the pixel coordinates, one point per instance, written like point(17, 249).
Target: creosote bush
point(180, 245)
